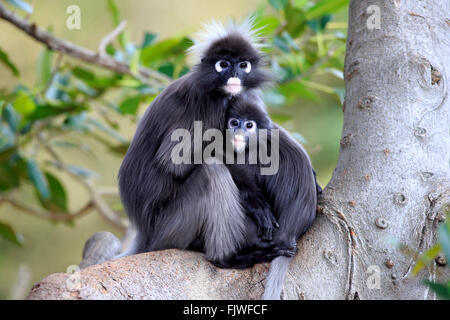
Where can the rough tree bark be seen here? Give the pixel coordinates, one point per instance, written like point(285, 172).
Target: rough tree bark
point(392, 181)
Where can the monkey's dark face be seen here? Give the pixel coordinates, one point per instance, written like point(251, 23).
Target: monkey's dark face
point(231, 65)
point(244, 119)
point(232, 73)
point(241, 130)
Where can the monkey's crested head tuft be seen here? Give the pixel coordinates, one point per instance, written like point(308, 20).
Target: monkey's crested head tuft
point(215, 31)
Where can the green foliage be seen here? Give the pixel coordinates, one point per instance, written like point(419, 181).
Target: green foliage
point(57, 201)
point(442, 289)
point(38, 179)
point(5, 60)
point(130, 105)
point(6, 232)
point(443, 245)
point(72, 97)
point(44, 68)
point(325, 7)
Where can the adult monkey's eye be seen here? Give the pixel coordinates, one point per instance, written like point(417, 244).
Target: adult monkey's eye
point(233, 123)
point(246, 66)
point(221, 65)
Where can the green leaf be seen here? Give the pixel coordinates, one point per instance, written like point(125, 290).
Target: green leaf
point(278, 4)
point(103, 82)
point(7, 138)
point(163, 49)
point(114, 11)
point(47, 111)
point(21, 5)
point(83, 74)
point(340, 92)
point(287, 37)
point(58, 199)
point(267, 24)
point(149, 39)
point(296, 21)
point(324, 7)
point(167, 68)
point(58, 88)
point(106, 129)
point(76, 121)
point(24, 103)
point(44, 67)
point(5, 59)
point(11, 117)
point(441, 289)
point(81, 172)
point(336, 72)
point(281, 44)
point(8, 176)
point(134, 63)
point(120, 149)
point(425, 258)
point(110, 49)
point(292, 90)
point(38, 179)
point(8, 233)
point(444, 238)
point(299, 4)
point(130, 105)
point(280, 117)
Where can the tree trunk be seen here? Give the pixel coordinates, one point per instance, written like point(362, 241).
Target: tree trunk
point(390, 185)
point(392, 177)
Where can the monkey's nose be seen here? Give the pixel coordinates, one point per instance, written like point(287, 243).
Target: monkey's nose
point(233, 85)
point(234, 81)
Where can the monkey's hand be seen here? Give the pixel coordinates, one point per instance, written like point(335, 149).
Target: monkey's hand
point(265, 221)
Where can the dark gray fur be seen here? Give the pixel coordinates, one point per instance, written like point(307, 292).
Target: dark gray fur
point(187, 205)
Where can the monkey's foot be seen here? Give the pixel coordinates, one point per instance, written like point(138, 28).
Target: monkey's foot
point(266, 223)
point(287, 251)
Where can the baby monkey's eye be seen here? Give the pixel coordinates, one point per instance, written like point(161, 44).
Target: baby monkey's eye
point(251, 125)
point(233, 123)
point(221, 65)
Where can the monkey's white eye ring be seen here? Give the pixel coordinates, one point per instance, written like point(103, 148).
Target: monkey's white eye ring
point(246, 66)
point(250, 125)
point(221, 65)
point(233, 123)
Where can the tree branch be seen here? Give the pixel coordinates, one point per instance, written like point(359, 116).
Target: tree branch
point(110, 37)
point(97, 200)
point(60, 217)
point(70, 49)
point(168, 274)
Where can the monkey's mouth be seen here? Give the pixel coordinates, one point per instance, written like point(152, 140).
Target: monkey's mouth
point(233, 86)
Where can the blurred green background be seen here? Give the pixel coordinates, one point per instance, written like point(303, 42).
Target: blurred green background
point(310, 110)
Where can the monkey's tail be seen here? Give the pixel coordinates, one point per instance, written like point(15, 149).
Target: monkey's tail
point(275, 278)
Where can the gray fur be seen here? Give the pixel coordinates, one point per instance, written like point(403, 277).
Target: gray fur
point(275, 278)
point(225, 227)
